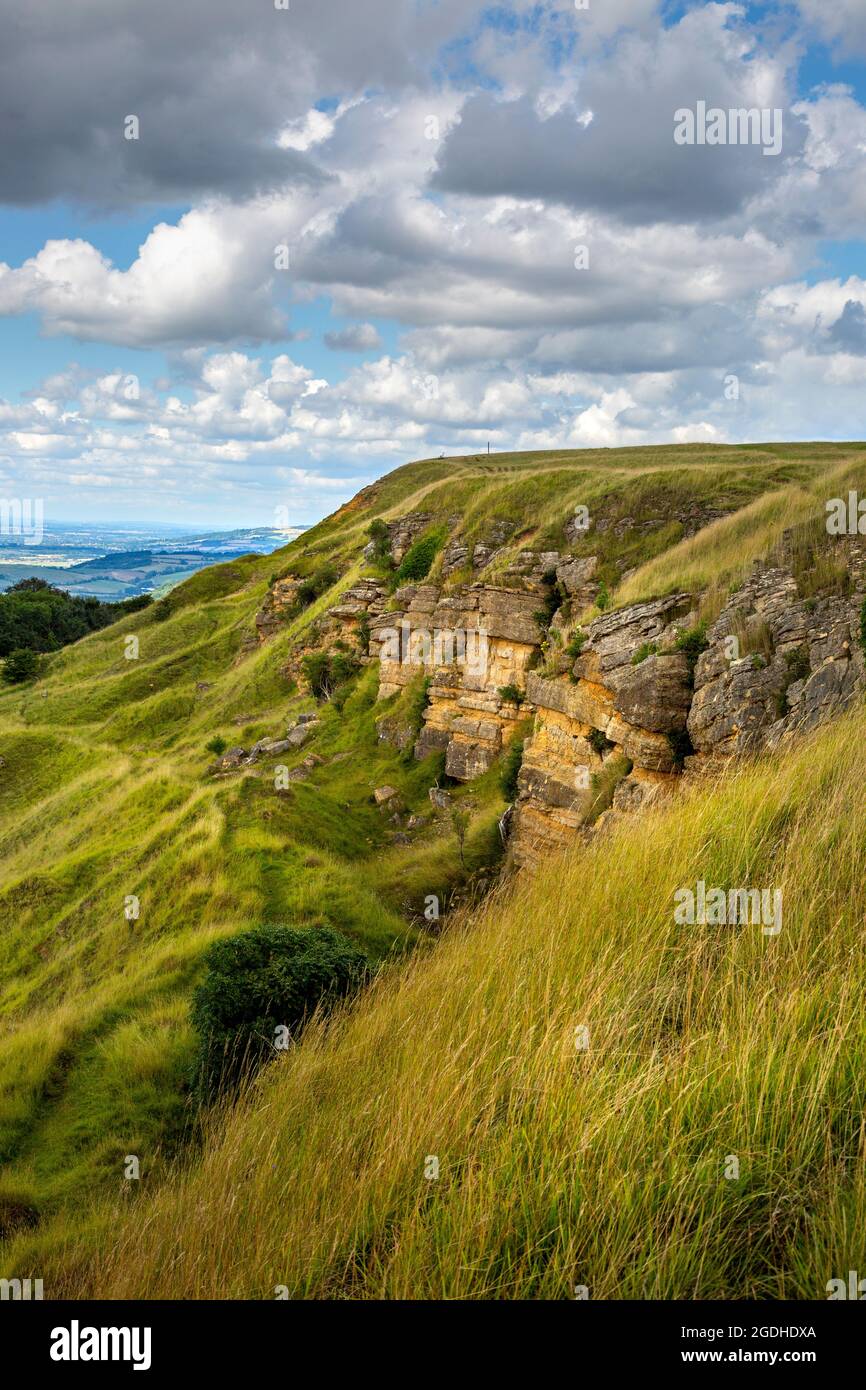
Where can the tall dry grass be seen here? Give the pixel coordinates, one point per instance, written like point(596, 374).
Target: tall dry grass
point(558, 1167)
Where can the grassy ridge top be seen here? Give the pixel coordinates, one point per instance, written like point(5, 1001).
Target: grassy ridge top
point(104, 792)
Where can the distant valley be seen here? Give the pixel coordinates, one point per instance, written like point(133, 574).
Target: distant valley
point(115, 563)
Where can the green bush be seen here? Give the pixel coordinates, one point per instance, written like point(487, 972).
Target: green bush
point(381, 538)
point(417, 700)
point(511, 764)
point(20, 665)
point(644, 650)
point(327, 672)
point(36, 615)
point(313, 586)
point(217, 746)
point(693, 642)
point(603, 786)
point(577, 642)
point(598, 742)
point(511, 694)
point(798, 669)
point(419, 558)
point(554, 595)
point(257, 983)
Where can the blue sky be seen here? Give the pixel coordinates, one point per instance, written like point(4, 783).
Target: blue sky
point(430, 167)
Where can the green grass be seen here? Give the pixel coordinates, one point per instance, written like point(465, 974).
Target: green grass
point(559, 1166)
point(104, 794)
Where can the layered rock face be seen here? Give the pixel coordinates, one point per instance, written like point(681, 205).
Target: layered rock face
point(279, 598)
point(605, 711)
point(777, 664)
point(365, 601)
point(470, 645)
point(651, 695)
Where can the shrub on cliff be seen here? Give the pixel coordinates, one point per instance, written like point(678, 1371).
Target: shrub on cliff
point(315, 584)
point(693, 642)
point(511, 694)
point(417, 561)
point(327, 672)
point(259, 990)
point(511, 764)
point(380, 538)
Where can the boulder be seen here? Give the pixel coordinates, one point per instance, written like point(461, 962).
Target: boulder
point(383, 795)
point(229, 760)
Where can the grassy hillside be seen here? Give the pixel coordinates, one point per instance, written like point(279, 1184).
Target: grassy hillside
point(467, 1052)
point(603, 1167)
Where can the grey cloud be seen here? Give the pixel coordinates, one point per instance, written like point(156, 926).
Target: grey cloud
point(848, 333)
point(212, 82)
point(841, 22)
point(707, 337)
point(357, 337)
point(624, 161)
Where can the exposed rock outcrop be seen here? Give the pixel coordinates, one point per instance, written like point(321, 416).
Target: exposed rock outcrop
point(777, 664)
point(471, 645)
point(652, 693)
point(279, 598)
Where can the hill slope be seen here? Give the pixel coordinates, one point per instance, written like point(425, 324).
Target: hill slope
point(106, 796)
point(604, 1167)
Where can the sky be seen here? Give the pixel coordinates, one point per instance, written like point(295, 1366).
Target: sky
point(256, 253)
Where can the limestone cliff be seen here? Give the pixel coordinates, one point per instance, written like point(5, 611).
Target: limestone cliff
point(623, 706)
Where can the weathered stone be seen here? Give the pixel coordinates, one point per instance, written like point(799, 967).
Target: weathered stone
point(404, 531)
point(466, 760)
point(229, 760)
point(394, 730)
point(279, 598)
point(275, 745)
point(299, 735)
point(656, 693)
point(585, 702)
point(455, 556)
point(646, 749)
point(431, 740)
point(641, 789)
point(549, 790)
point(576, 577)
point(383, 795)
point(616, 636)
